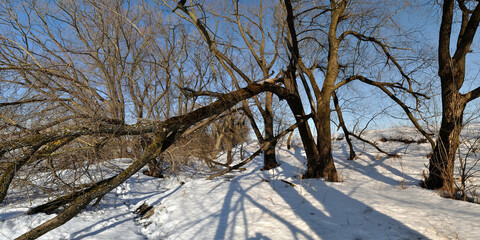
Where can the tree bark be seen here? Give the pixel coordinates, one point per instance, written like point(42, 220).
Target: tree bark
point(296, 106)
point(269, 157)
point(451, 71)
point(323, 166)
point(441, 164)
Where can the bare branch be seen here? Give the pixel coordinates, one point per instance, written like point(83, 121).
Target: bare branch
point(263, 147)
point(372, 144)
point(405, 108)
point(472, 95)
point(468, 34)
point(384, 47)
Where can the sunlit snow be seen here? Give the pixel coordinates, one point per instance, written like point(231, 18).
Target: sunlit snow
point(379, 198)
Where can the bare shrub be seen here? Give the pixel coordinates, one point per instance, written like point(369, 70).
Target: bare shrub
point(468, 170)
point(200, 148)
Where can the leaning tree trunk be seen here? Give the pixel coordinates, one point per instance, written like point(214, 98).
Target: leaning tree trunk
point(442, 162)
point(82, 201)
point(296, 106)
point(168, 132)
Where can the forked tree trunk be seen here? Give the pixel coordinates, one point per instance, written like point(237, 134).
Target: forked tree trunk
point(319, 156)
point(323, 166)
point(296, 106)
point(451, 71)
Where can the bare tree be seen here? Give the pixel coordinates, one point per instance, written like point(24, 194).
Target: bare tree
point(261, 48)
point(97, 72)
point(111, 71)
point(80, 63)
point(166, 133)
point(305, 26)
point(451, 70)
point(332, 27)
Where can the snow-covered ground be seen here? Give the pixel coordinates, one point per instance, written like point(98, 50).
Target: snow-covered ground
point(379, 198)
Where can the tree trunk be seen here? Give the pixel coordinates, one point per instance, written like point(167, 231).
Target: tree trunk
point(294, 101)
point(324, 165)
point(52, 206)
point(155, 166)
point(308, 141)
point(269, 158)
point(451, 71)
point(442, 162)
point(229, 152)
point(11, 169)
point(295, 104)
point(98, 191)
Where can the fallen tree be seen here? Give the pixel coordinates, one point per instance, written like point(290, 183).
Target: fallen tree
point(166, 133)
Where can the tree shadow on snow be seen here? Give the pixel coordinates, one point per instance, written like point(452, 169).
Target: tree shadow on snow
point(310, 210)
point(317, 211)
point(331, 214)
point(235, 210)
point(370, 170)
point(78, 234)
point(9, 215)
point(134, 197)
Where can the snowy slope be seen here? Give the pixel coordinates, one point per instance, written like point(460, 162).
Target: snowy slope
point(378, 199)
